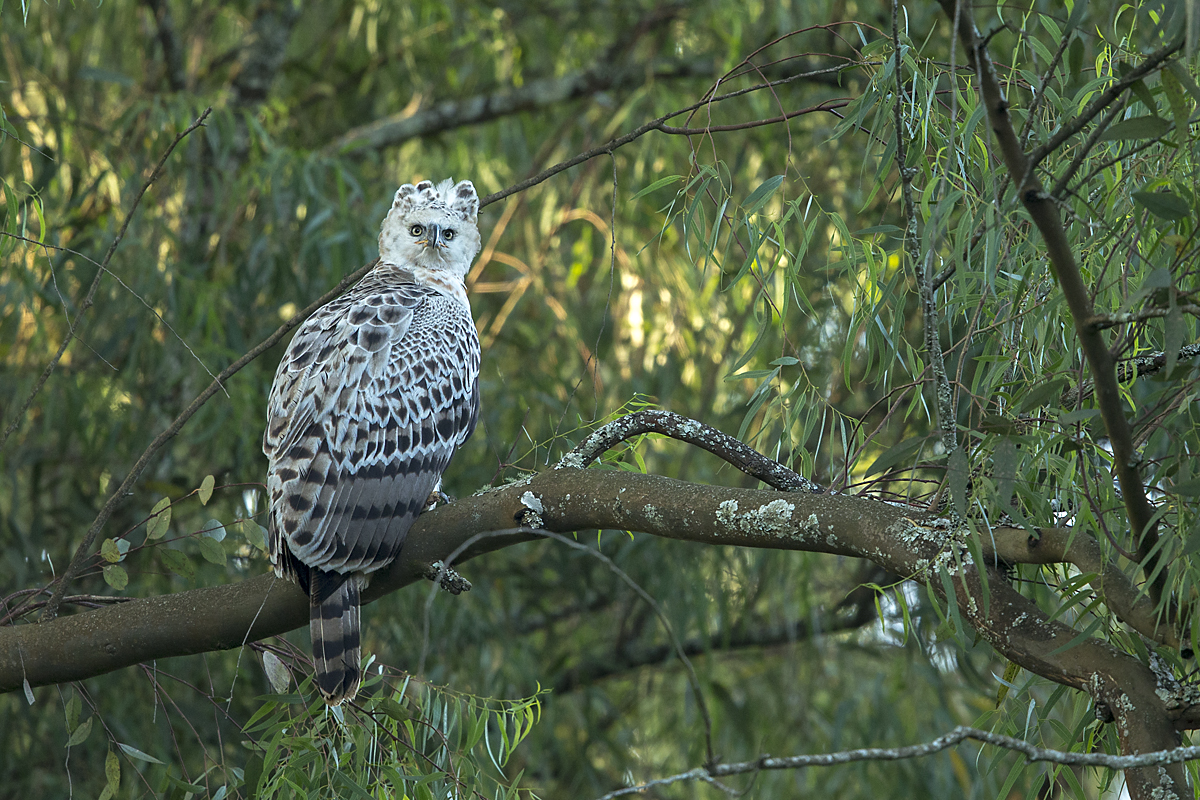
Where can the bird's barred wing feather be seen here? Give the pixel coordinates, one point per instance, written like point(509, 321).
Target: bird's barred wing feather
point(375, 393)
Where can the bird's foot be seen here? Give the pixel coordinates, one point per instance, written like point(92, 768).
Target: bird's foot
point(436, 498)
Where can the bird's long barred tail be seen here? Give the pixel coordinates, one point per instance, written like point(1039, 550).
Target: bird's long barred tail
point(334, 623)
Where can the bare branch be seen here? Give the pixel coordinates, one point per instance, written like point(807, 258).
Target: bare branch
point(1136, 367)
point(706, 437)
point(953, 738)
point(399, 128)
point(1102, 321)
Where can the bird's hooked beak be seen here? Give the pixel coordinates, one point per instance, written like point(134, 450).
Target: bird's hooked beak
point(433, 238)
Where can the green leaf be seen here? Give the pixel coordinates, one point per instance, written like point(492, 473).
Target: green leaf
point(1185, 79)
point(133, 752)
point(1078, 415)
point(178, 562)
point(160, 519)
point(759, 197)
point(253, 533)
point(1041, 394)
point(116, 576)
point(393, 709)
point(1180, 107)
point(1166, 205)
point(80, 734)
point(1004, 464)
point(206, 489)
point(1075, 18)
point(658, 184)
point(211, 550)
point(1143, 93)
point(1174, 331)
point(1075, 54)
point(112, 771)
point(1188, 488)
point(72, 711)
point(894, 455)
point(253, 774)
point(1012, 670)
point(1147, 127)
point(109, 551)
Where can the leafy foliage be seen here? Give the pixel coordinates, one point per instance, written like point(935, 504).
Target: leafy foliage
point(755, 279)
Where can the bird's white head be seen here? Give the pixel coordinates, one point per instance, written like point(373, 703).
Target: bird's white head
point(432, 230)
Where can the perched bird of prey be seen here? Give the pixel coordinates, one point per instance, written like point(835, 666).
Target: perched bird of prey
point(374, 394)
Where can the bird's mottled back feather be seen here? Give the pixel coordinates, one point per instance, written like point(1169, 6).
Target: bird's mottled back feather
point(376, 391)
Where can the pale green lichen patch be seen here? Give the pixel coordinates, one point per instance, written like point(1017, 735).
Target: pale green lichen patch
point(771, 519)
point(653, 515)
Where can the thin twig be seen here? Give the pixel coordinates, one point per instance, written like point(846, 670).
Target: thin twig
point(1102, 321)
point(91, 295)
point(124, 286)
point(1086, 149)
point(653, 125)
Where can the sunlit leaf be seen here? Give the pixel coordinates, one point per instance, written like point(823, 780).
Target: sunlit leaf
point(160, 519)
point(211, 549)
point(206, 489)
point(116, 576)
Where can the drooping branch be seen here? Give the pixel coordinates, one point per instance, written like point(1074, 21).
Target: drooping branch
point(858, 610)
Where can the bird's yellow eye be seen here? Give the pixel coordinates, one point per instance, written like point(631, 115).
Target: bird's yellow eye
point(448, 234)
point(416, 230)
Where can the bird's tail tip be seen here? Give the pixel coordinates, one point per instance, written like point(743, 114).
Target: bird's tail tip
point(334, 624)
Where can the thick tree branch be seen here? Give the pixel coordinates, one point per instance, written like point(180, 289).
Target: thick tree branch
point(1136, 367)
point(905, 541)
point(706, 437)
point(1044, 212)
point(542, 93)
